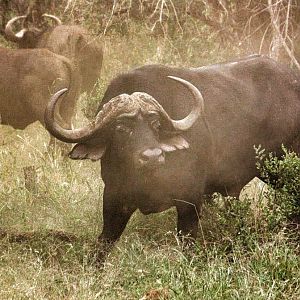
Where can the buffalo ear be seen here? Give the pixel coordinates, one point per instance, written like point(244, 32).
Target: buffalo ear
point(174, 143)
point(86, 151)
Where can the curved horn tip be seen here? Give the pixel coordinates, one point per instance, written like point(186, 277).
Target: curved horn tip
point(58, 20)
point(9, 31)
point(184, 82)
point(188, 84)
point(62, 91)
point(55, 96)
point(198, 107)
point(178, 79)
point(14, 19)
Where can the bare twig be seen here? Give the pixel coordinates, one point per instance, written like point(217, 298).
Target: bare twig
point(278, 34)
point(263, 38)
point(110, 18)
point(176, 16)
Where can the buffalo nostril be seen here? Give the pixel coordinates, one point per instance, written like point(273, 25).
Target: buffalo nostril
point(151, 153)
point(152, 157)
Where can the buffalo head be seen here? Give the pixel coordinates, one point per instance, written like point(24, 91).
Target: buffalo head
point(29, 35)
point(135, 129)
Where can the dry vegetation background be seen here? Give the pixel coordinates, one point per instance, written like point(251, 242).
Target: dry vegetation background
point(51, 207)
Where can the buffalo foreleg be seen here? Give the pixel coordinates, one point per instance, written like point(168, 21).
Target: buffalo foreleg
point(187, 220)
point(115, 218)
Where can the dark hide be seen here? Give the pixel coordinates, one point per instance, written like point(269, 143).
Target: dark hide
point(248, 102)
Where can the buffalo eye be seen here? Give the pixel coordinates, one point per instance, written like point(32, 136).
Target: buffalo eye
point(123, 128)
point(154, 120)
point(155, 124)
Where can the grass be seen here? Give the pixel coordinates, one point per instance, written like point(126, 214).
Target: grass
point(48, 232)
point(51, 214)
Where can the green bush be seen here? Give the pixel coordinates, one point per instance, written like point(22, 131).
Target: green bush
point(283, 175)
point(230, 222)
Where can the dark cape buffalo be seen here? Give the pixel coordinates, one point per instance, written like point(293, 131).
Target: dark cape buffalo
point(28, 78)
point(164, 143)
point(71, 41)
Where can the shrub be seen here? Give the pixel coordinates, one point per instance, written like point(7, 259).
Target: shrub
point(283, 175)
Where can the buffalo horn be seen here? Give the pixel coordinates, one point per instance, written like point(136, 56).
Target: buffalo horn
point(197, 110)
point(9, 31)
point(56, 19)
point(84, 133)
point(65, 135)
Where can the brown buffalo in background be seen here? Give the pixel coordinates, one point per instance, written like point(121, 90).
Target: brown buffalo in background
point(27, 80)
point(71, 41)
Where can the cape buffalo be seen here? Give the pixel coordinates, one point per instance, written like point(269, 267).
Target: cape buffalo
point(27, 80)
point(71, 41)
point(151, 162)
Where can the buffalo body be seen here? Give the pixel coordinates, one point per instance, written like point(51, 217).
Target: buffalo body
point(146, 165)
